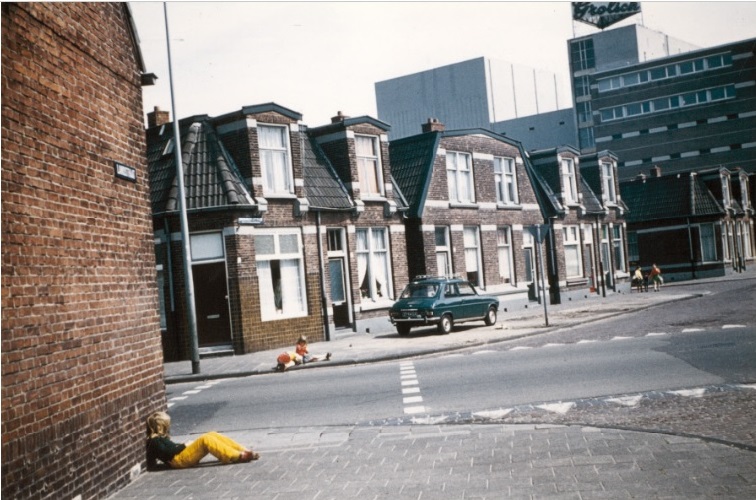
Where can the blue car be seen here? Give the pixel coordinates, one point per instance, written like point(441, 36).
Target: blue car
point(442, 302)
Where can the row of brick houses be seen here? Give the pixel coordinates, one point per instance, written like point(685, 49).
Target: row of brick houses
point(293, 228)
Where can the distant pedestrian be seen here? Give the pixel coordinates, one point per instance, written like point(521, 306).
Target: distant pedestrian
point(655, 277)
point(180, 456)
point(638, 280)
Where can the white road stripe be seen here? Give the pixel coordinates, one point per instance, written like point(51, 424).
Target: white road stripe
point(725, 327)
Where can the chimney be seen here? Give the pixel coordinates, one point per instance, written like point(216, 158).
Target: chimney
point(158, 117)
point(433, 125)
point(656, 171)
point(340, 117)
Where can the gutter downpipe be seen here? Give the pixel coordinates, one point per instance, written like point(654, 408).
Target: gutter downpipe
point(323, 299)
point(186, 254)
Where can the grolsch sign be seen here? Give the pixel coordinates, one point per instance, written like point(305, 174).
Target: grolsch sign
point(603, 14)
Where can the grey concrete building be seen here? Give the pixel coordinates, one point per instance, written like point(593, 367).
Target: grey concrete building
point(476, 93)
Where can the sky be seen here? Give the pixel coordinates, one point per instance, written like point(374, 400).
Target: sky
point(319, 58)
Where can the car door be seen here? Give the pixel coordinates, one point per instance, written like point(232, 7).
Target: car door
point(452, 302)
point(474, 306)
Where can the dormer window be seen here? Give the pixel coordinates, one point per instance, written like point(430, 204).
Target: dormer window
point(369, 165)
point(569, 181)
point(726, 198)
point(506, 181)
point(460, 177)
point(607, 182)
point(275, 159)
point(744, 192)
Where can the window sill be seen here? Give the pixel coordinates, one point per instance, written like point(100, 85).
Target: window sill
point(456, 204)
point(511, 206)
point(287, 196)
point(369, 305)
point(279, 317)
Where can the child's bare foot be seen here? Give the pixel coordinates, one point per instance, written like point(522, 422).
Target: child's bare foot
point(248, 456)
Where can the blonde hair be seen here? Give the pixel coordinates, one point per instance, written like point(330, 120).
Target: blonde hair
point(302, 339)
point(158, 424)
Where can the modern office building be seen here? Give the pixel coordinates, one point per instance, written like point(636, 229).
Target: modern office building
point(659, 102)
point(471, 94)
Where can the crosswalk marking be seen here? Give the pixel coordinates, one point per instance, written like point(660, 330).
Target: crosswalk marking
point(408, 377)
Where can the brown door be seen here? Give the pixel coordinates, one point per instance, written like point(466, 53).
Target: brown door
point(211, 304)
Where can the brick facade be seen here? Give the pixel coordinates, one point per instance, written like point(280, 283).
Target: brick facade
point(81, 358)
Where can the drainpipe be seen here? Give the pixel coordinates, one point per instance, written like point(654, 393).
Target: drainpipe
point(324, 299)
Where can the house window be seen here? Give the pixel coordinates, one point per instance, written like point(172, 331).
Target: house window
point(573, 263)
point(443, 252)
point(506, 181)
point(726, 239)
point(569, 181)
point(504, 247)
point(275, 159)
point(280, 271)
point(745, 200)
point(206, 246)
point(460, 177)
point(726, 199)
point(586, 138)
point(473, 259)
point(373, 264)
point(619, 248)
point(584, 112)
point(708, 245)
point(369, 165)
point(605, 253)
point(607, 180)
point(528, 256)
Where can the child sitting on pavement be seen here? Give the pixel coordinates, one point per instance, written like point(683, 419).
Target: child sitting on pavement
point(180, 456)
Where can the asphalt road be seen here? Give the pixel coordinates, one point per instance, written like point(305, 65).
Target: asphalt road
point(701, 342)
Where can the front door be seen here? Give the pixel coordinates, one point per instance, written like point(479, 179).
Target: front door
point(211, 304)
point(339, 295)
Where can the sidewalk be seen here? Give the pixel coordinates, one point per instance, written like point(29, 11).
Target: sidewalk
point(600, 450)
point(517, 318)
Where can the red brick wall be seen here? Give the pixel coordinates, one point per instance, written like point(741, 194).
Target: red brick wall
point(81, 357)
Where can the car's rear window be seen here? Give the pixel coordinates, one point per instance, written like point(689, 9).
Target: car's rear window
point(419, 290)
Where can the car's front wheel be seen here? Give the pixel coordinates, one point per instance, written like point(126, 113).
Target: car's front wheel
point(446, 324)
point(491, 316)
point(403, 330)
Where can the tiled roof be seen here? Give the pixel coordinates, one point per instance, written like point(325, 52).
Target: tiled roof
point(412, 165)
point(591, 202)
point(667, 197)
point(322, 187)
point(211, 179)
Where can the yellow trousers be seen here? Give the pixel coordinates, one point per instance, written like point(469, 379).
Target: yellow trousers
point(221, 447)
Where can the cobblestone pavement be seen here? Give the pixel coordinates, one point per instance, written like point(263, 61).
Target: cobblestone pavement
point(699, 443)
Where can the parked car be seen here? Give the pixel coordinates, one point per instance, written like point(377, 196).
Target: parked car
point(441, 301)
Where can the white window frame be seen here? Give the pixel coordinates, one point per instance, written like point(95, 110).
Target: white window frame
point(569, 180)
point(459, 175)
point(573, 255)
point(726, 196)
point(369, 168)
point(505, 175)
point(443, 250)
point(277, 179)
point(708, 242)
point(504, 250)
point(291, 282)
point(607, 181)
point(473, 256)
point(619, 248)
point(376, 246)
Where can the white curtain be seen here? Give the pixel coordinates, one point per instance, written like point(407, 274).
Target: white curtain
point(380, 264)
point(367, 164)
point(267, 299)
point(471, 249)
point(363, 255)
point(273, 152)
point(291, 287)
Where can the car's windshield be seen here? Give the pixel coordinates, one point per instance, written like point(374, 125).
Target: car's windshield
point(417, 290)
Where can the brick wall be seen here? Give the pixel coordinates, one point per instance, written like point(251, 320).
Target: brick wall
point(81, 355)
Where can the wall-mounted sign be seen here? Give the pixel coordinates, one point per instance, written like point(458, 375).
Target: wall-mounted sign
point(125, 172)
point(603, 14)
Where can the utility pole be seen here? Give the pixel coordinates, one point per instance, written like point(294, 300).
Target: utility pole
point(185, 242)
